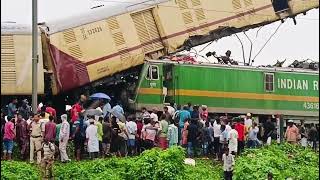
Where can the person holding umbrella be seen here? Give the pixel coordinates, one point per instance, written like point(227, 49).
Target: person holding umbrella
point(100, 100)
point(118, 112)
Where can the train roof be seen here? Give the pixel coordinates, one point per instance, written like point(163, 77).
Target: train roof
point(14, 28)
point(98, 14)
point(252, 68)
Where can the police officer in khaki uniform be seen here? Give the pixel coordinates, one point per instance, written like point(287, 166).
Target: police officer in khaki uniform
point(36, 130)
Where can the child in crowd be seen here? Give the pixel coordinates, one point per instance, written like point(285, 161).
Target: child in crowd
point(228, 164)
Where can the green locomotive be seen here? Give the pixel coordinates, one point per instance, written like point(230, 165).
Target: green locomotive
point(290, 92)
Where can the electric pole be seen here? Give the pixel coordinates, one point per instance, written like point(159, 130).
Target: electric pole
point(34, 55)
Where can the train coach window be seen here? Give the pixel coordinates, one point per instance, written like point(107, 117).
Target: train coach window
point(153, 73)
point(269, 82)
point(280, 6)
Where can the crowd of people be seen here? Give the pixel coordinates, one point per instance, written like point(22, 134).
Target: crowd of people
point(102, 131)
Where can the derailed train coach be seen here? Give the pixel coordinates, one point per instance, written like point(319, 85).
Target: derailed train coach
point(293, 93)
point(16, 60)
point(86, 48)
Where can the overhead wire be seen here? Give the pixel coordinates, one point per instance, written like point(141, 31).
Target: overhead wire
point(251, 45)
point(243, 55)
point(264, 45)
point(258, 31)
point(206, 46)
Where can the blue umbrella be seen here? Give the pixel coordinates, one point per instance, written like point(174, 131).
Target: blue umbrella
point(100, 96)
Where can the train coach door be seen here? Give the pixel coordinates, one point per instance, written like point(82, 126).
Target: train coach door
point(154, 83)
point(168, 83)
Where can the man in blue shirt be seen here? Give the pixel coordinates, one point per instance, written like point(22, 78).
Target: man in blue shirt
point(183, 115)
point(106, 109)
point(118, 112)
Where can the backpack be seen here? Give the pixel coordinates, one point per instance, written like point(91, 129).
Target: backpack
point(55, 150)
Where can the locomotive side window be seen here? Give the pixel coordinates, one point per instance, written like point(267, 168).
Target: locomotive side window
point(269, 82)
point(153, 73)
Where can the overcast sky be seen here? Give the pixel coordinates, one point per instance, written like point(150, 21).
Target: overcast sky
point(291, 41)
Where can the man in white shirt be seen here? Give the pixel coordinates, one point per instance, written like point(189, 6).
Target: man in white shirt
point(248, 121)
point(92, 138)
point(154, 115)
point(216, 137)
point(233, 140)
point(171, 109)
point(228, 127)
point(132, 131)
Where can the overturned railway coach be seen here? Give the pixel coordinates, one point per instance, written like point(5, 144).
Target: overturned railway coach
point(230, 89)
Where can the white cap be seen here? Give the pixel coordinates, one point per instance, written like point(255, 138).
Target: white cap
point(290, 121)
point(64, 117)
point(248, 114)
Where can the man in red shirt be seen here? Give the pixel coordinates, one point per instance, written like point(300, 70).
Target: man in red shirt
point(77, 108)
point(50, 130)
point(240, 128)
point(9, 135)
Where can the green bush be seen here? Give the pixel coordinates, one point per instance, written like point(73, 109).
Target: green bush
point(204, 170)
point(283, 161)
point(17, 170)
point(152, 164)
